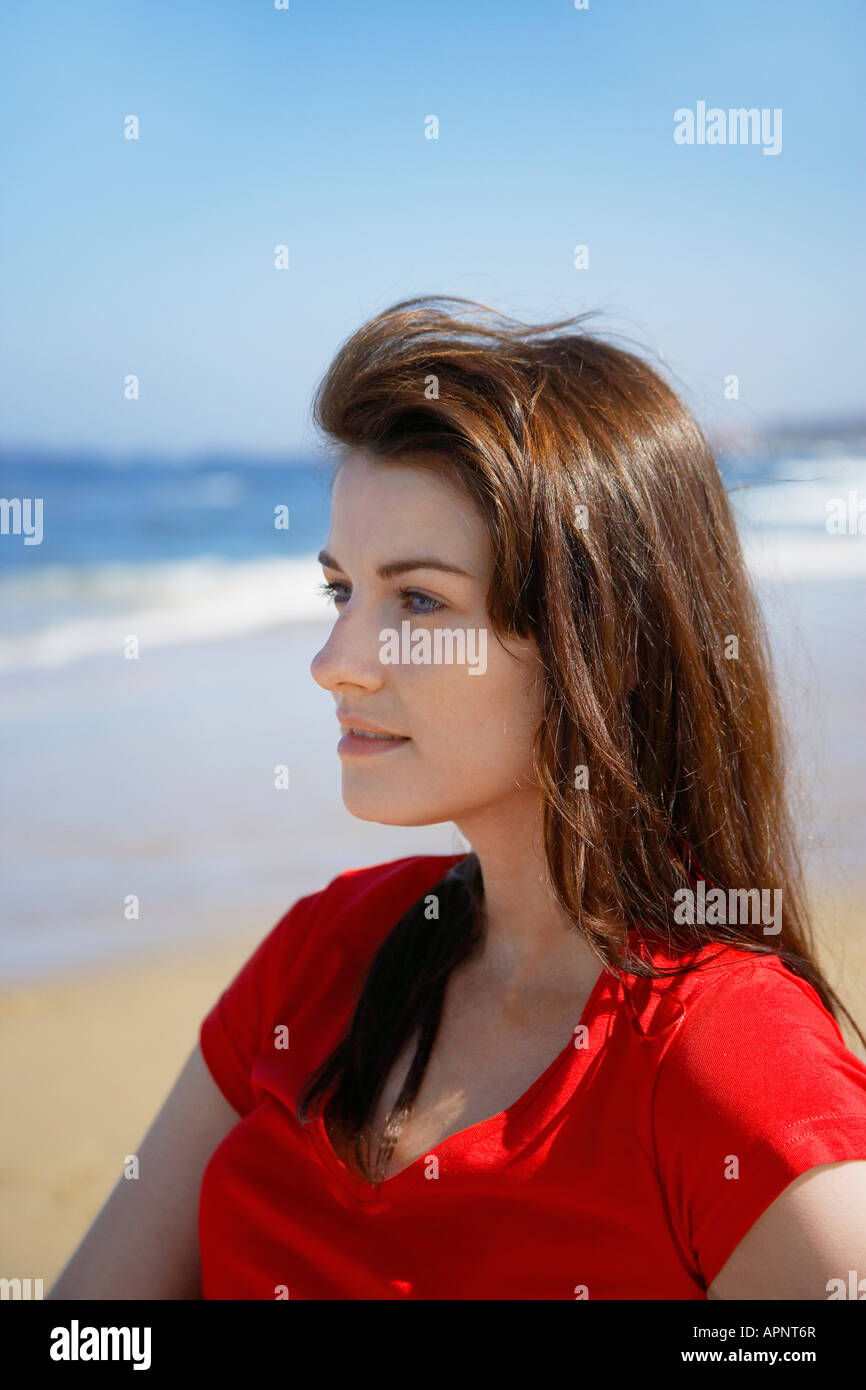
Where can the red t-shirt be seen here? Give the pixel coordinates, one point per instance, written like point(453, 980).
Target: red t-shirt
point(611, 1177)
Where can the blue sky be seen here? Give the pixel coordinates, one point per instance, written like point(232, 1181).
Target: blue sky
point(305, 127)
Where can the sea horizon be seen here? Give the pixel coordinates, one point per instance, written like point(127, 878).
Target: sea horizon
point(153, 778)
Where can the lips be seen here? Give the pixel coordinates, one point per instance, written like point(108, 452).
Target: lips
point(368, 743)
point(357, 725)
point(364, 733)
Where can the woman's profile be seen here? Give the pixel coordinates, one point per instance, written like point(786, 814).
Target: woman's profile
point(595, 1056)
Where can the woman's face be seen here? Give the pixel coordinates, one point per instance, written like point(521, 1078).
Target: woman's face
point(468, 725)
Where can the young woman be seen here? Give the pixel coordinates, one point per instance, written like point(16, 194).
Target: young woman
point(595, 1057)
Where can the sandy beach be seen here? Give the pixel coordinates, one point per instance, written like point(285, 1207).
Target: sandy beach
point(94, 1057)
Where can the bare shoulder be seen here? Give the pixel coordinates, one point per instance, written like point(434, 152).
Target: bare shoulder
point(144, 1241)
point(813, 1234)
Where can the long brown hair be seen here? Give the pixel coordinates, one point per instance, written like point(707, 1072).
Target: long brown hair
point(615, 547)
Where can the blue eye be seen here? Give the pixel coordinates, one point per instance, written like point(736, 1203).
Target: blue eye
point(330, 591)
point(412, 593)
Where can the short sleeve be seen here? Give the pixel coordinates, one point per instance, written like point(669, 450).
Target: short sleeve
point(233, 1033)
point(756, 1087)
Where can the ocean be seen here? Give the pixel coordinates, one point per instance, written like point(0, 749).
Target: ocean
point(180, 554)
point(152, 780)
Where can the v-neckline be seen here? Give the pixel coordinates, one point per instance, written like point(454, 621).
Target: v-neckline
point(461, 1139)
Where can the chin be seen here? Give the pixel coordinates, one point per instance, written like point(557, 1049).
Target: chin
point(384, 810)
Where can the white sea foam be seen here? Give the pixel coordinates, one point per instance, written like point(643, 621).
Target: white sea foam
point(162, 605)
point(800, 493)
point(792, 555)
point(54, 615)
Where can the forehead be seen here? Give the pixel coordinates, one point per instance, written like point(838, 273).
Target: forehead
point(361, 477)
point(376, 502)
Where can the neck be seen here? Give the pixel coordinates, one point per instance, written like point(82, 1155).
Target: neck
point(529, 940)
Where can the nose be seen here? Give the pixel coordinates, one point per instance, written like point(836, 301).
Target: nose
point(350, 656)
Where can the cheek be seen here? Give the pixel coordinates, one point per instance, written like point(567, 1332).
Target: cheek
point(478, 720)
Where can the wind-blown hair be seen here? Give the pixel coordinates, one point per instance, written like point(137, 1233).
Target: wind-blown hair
point(615, 548)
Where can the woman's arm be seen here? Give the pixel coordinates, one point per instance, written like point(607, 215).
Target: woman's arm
point(813, 1233)
point(144, 1241)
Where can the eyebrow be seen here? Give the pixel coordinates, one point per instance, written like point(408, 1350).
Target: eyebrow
point(387, 571)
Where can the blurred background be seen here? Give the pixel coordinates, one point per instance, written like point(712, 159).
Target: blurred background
point(200, 203)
